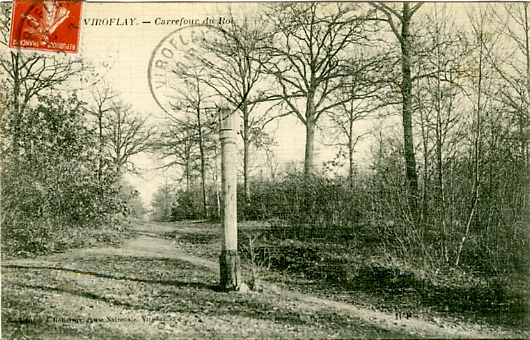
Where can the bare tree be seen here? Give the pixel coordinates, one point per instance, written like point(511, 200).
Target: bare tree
point(358, 97)
point(193, 99)
point(479, 83)
point(310, 48)
point(515, 69)
point(438, 95)
point(178, 143)
point(127, 135)
point(400, 23)
point(103, 102)
point(233, 60)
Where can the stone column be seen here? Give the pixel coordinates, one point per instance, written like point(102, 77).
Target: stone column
point(229, 260)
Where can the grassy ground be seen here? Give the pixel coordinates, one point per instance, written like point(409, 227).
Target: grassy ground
point(162, 284)
point(501, 302)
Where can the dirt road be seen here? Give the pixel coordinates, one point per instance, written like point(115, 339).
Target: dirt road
point(153, 287)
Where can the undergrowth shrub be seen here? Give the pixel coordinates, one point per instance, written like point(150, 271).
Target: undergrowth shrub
point(56, 185)
point(187, 205)
point(363, 237)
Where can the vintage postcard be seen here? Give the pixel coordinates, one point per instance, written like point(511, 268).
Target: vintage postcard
point(264, 169)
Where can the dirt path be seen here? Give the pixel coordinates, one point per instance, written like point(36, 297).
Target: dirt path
point(150, 247)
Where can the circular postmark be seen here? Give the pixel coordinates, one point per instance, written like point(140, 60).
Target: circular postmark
point(173, 53)
point(170, 54)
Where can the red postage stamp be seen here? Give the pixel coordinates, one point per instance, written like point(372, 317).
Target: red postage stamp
point(46, 25)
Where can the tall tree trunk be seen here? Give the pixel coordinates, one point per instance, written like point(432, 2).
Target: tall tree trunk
point(100, 158)
point(524, 141)
point(118, 139)
point(440, 187)
point(203, 164)
point(17, 109)
point(246, 153)
point(310, 124)
point(351, 146)
point(477, 148)
point(423, 212)
point(440, 171)
point(406, 91)
point(309, 161)
point(188, 167)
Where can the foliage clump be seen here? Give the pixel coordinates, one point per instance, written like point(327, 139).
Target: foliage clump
point(52, 196)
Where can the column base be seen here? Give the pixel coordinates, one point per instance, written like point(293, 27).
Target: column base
point(230, 269)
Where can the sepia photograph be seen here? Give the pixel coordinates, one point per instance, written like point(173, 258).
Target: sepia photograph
point(274, 170)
